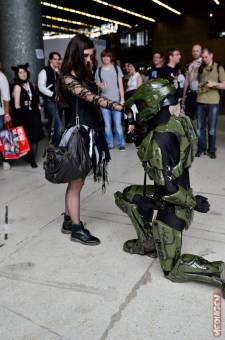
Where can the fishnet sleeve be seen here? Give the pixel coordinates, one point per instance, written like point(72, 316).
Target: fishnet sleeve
point(73, 85)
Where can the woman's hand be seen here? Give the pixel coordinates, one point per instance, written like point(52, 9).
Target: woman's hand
point(130, 128)
point(7, 118)
point(101, 85)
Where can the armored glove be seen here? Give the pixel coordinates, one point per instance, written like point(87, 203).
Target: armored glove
point(202, 204)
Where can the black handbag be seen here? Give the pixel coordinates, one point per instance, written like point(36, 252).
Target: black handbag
point(65, 164)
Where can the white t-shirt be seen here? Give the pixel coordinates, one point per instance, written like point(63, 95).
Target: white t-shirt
point(181, 80)
point(194, 82)
point(132, 83)
point(4, 92)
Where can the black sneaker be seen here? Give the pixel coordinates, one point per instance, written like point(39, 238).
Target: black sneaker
point(82, 235)
point(33, 165)
point(67, 225)
point(122, 148)
point(199, 153)
point(212, 155)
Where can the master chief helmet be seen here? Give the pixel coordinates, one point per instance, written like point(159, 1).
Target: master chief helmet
point(151, 97)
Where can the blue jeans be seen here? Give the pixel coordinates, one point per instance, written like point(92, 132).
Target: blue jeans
point(207, 114)
point(108, 115)
point(51, 109)
point(1, 122)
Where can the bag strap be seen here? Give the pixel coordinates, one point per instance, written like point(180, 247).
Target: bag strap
point(117, 75)
point(99, 74)
point(77, 113)
point(77, 120)
point(52, 128)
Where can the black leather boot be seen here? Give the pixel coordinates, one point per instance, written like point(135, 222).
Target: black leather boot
point(67, 225)
point(82, 235)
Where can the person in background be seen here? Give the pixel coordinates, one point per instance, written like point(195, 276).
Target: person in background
point(47, 85)
point(5, 116)
point(26, 111)
point(109, 79)
point(170, 70)
point(134, 80)
point(157, 68)
point(211, 79)
point(125, 75)
point(191, 86)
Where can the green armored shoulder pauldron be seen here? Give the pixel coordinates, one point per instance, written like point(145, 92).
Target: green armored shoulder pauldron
point(150, 153)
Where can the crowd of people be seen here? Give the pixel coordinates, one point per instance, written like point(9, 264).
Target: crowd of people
point(200, 84)
point(200, 87)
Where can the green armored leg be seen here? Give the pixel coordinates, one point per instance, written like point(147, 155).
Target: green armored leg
point(196, 268)
point(186, 267)
point(144, 244)
point(168, 243)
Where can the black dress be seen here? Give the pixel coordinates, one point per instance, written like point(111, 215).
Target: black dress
point(28, 115)
point(82, 96)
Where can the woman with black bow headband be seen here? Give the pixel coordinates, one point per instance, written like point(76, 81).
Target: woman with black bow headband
point(25, 109)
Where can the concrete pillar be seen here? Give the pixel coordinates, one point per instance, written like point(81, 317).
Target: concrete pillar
point(20, 35)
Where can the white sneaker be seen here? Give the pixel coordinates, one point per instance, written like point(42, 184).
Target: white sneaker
point(6, 165)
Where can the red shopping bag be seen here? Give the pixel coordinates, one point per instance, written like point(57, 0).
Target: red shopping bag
point(13, 143)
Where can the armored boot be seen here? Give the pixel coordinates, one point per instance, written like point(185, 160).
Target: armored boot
point(144, 244)
point(195, 268)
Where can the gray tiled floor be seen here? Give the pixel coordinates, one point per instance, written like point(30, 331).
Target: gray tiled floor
point(53, 289)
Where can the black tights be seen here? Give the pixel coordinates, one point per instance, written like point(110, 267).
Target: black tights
point(32, 154)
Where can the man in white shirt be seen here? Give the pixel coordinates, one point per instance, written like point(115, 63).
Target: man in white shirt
point(191, 84)
point(47, 85)
point(4, 105)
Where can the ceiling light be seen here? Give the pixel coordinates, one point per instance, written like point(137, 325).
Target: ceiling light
point(71, 10)
point(211, 15)
point(56, 35)
point(217, 2)
point(67, 20)
point(124, 10)
point(160, 3)
point(61, 28)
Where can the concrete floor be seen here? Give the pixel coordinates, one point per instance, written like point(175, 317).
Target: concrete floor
point(53, 289)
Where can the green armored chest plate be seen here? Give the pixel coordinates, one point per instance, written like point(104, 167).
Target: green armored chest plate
point(150, 152)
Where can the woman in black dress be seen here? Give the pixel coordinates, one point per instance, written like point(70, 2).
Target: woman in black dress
point(81, 92)
point(26, 111)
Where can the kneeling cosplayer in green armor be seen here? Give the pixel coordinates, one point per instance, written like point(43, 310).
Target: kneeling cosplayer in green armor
point(166, 153)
